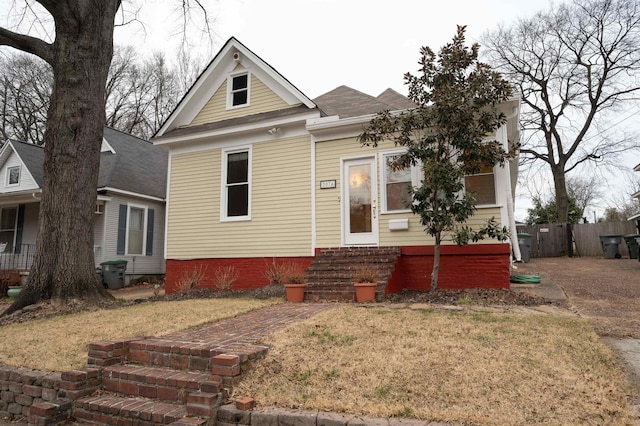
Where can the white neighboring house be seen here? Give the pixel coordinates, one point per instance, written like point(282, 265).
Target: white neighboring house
point(130, 203)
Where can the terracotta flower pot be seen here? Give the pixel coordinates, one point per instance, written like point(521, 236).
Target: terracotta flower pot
point(295, 292)
point(365, 292)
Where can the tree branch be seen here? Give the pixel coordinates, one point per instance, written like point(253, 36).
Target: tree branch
point(27, 44)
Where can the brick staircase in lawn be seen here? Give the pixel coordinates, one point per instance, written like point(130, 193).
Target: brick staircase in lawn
point(179, 379)
point(330, 275)
point(161, 381)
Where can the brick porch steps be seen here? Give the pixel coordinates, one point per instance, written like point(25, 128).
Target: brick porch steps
point(163, 384)
point(116, 410)
point(330, 277)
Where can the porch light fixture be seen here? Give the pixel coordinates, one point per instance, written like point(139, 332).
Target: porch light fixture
point(274, 131)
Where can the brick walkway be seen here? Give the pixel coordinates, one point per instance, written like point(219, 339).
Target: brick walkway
point(248, 328)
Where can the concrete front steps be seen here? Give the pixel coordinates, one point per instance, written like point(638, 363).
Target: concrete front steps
point(330, 277)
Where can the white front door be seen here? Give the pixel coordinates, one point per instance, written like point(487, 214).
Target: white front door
point(360, 201)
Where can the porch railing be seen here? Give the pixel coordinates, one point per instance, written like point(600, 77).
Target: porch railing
point(18, 259)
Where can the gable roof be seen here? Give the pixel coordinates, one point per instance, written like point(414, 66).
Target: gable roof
point(136, 166)
point(33, 158)
point(215, 74)
point(346, 102)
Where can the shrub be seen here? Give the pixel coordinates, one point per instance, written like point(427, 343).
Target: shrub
point(293, 274)
point(225, 276)
point(190, 279)
point(275, 271)
point(8, 278)
point(366, 274)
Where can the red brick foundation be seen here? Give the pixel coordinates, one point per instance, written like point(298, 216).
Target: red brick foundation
point(472, 266)
point(251, 270)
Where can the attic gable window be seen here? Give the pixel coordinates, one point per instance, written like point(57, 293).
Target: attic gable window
point(13, 175)
point(238, 93)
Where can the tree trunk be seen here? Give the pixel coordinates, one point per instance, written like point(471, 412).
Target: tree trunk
point(562, 196)
point(63, 266)
point(436, 262)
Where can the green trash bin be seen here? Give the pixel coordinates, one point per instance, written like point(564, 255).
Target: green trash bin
point(524, 242)
point(610, 244)
point(113, 272)
point(632, 245)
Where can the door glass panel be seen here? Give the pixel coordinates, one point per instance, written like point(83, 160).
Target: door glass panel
point(359, 199)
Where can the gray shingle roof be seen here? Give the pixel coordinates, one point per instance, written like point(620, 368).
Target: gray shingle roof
point(137, 166)
point(33, 158)
point(347, 102)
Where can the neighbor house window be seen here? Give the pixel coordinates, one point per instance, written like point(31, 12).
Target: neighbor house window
point(236, 185)
point(8, 222)
point(238, 90)
point(135, 230)
point(482, 185)
point(396, 196)
point(13, 175)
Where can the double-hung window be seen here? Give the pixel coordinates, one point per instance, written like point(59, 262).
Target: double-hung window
point(13, 175)
point(238, 90)
point(236, 196)
point(396, 194)
point(482, 185)
point(135, 230)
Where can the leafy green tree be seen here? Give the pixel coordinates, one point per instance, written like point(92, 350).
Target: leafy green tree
point(546, 212)
point(456, 99)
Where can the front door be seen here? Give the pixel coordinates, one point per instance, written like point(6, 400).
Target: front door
point(359, 202)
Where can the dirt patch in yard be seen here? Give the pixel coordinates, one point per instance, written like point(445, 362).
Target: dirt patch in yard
point(605, 291)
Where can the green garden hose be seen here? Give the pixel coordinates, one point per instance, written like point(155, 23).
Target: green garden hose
point(525, 279)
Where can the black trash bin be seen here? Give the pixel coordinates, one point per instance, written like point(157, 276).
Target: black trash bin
point(632, 245)
point(524, 242)
point(610, 244)
point(113, 272)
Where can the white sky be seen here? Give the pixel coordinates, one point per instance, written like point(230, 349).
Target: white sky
point(319, 45)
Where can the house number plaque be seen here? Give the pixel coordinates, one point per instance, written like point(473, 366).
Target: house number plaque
point(327, 184)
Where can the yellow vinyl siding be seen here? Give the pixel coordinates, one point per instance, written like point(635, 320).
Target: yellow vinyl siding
point(328, 215)
point(416, 236)
point(261, 99)
point(280, 222)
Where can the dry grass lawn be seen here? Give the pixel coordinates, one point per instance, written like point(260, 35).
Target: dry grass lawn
point(478, 368)
point(61, 343)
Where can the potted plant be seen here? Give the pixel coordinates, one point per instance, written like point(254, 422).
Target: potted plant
point(11, 281)
point(365, 284)
point(294, 283)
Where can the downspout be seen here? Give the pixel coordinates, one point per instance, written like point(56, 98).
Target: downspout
point(517, 256)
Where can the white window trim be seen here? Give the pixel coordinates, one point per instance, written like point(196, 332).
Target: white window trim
point(144, 229)
point(230, 86)
point(223, 185)
point(415, 179)
point(9, 175)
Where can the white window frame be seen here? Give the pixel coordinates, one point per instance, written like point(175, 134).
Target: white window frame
point(223, 182)
point(415, 179)
point(144, 229)
point(230, 91)
point(495, 187)
point(8, 183)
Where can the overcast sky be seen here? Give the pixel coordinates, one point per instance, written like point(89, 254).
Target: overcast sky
point(319, 45)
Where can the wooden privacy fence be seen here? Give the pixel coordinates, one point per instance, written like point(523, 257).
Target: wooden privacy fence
point(552, 239)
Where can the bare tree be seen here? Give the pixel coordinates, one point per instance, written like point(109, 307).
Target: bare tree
point(25, 88)
point(79, 55)
point(575, 66)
